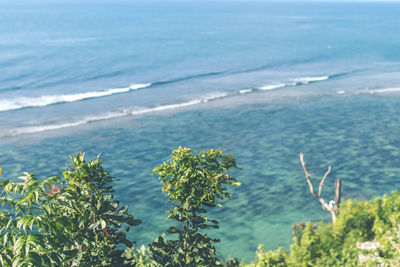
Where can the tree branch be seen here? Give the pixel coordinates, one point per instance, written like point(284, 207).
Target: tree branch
point(323, 180)
point(325, 205)
point(308, 176)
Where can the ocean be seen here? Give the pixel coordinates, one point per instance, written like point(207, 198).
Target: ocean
point(263, 80)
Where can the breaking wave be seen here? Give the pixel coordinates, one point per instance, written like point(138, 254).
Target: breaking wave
point(272, 86)
point(384, 90)
point(112, 115)
point(46, 100)
point(308, 80)
point(24, 102)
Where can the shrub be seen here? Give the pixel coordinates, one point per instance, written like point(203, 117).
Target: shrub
point(69, 221)
point(335, 244)
point(192, 183)
point(276, 258)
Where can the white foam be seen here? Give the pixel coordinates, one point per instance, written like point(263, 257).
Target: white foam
point(245, 91)
point(384, 90)
point(112, 115)
point(69, 40)
point(41, 101)
point(214, 96)
point(340, 92)
point(307, 80)
point(272, 86)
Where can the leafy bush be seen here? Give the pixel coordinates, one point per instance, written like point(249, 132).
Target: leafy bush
point(269, 259)
point(192, 183)
point(336, 244)
point(69, 221)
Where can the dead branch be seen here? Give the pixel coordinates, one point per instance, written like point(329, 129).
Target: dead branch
point(323, 180)
point(325, 205)
point(338, 185)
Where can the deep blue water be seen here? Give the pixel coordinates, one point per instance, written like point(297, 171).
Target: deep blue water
point(265, 80)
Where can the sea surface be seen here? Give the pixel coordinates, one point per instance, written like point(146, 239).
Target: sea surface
point(263, 80)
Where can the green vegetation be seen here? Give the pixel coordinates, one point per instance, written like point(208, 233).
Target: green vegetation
point(69, 221)
point(337, 244)
point(192, 183)
point(74, 220)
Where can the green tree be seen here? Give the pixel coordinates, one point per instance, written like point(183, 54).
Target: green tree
point(192, 183)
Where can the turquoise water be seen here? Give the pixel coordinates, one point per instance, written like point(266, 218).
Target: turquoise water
point(265, 81)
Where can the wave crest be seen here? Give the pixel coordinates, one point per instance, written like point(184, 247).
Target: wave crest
point(384, 90)
point(112, 115)
point(272, 86)
point(46, 100)
point(308, 80)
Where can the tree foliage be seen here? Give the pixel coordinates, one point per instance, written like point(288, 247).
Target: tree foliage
point(68, 221)
point(193, 183)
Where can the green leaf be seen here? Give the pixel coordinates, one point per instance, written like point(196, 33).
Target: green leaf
point(157, 168)
point(15, 262)
point(19, 244)
point(34, 238)
point(103, 224)
point(36, 196)
point(92, 226)
point(5, 239)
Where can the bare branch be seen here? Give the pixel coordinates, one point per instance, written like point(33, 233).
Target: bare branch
point(325, 205)
point(338, 185)
point(323, 180)
point(308, 176)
